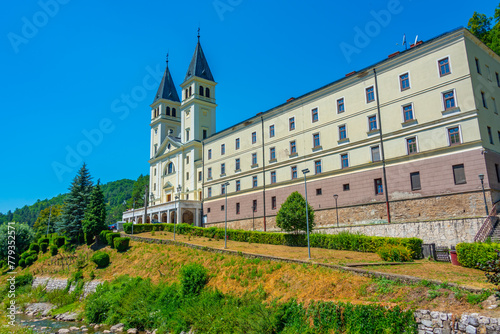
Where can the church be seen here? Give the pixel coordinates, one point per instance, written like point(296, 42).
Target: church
point(414, 137)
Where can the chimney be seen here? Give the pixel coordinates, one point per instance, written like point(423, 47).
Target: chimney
point(350, 73)
point(290, 99)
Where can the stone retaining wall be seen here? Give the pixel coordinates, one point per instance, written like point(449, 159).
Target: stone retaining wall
point(447, 323)
point(52, 284)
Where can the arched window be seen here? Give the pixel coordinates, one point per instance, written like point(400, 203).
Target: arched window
point(186, 94)
point(168, 111)
point(207, 92)
point(201, 90)
point(190, 91)
point(173, 112)
point(170, 168)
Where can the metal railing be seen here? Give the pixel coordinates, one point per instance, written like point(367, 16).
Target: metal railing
point(488, 226)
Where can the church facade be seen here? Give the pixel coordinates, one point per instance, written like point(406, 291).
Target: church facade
point(414, 137)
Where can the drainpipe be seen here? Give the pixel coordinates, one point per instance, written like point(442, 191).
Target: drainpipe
point(202, 199)
point(263, 173)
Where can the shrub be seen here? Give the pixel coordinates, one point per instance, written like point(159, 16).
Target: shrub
point(102, 236)
point(22, 263)
point(30, 260)
point(101, 259)
point(43, 239)
point(475, 255)
point(59, 241)
point(394, 253)
point(121, 244)
point(110, 237)
point(193, 278)
point(492, 268)
point(23, 280)
point(35, 247)
point(292, 215)
point(53, 250)
point(44, 246)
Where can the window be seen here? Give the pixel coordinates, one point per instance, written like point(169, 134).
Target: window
point(344, 160)
point(205, 134)
point(173, 112)
point(254, 181)
point(209, 153)
point(459, 174)
point(478, 67)
point(222, 189)
point(254, 205)
point(187, 159)
point(187, 175)
point(271, 131)
point(483, 98)
point(404, 81)
point(372, 123)
point(408, 112)
point(238, 185)
point(272, 153)
point(497, 168)
point(237, 164)
point(499, 136)
point(208, 210)
point(293, 147)
point(449, 100)
point(273, 177)
point(488, 72)
point(319, 192)
point(346, 187)
point(200, 91)
point(314, 114)
point(171, 168)
point(190, 90)
point(444, 67)
point(294, 172)
point(340, 106)
point(498, 79)
point(222, 208)
point(207, 92)
point(154, 185)
point(209, 172)
point(494, 103)
point(154, 171)
point(454, 136)
point(209, 192)
point(490, 136)
point(411, 145)
point(254, 137)
point(237, 208)
point(223, 169)
point(316, 142)
point(254, 159)
point(168, 111)
point(273, 203)
point(342, 132)
point(237, 144)
point(375, 153)
point(415, 181)
point(317, 167)
point(199, 176)
point(223, 149)
point(370, 95)
point(291, 123)
point(379, 188)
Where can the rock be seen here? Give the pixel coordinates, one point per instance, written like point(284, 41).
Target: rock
point(39, 308)
point(97, 326)
point(490, 303)
point(132, 331)
point(63, 331)
point(106, 331)
point(470, 330)
point(118, 328)
point(473, 320)
point(74, 329)
point(84, 330)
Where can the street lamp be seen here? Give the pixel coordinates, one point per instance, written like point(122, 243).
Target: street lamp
point(151, 200)
point(481, 177)
point(336, 208)
point(225, 219)
point(305, 171)
point(177, 197)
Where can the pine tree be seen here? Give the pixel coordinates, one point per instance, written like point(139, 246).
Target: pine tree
point(95, 216)
point(75, 206)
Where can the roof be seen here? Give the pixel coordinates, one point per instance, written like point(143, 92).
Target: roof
point(167, 89)
point(199, 66)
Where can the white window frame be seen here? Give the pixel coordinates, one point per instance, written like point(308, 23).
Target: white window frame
point(270, 130)
point(374, 94)
point(317, 108)
point(348, 160)
point(448, 136)
point(413, 110)
point(409, 81)
point(294, 123)
point(338, 131)
point(368, 123)
point(443, 106)
point(337, 105)
point(379, 152)
point(449, 64)
point(416, 142)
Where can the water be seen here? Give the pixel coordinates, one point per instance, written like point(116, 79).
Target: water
point(52, 325)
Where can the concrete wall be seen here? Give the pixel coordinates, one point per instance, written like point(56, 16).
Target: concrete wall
point(52, 284)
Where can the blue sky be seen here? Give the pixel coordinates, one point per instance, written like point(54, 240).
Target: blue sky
point(78, 76)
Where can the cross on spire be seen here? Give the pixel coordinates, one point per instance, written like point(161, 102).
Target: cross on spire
point(198, 33)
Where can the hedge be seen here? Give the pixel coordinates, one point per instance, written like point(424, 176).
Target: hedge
point(341, 241)
point(102, 235)
point(472, 255)
point(44, 239)
point(59, 241)
point(101, 259)
point(44, 246)
point(110, 237)
point(121, 244)
point(35, 247)
point(53, 250)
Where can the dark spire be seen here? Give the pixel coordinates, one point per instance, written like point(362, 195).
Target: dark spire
point(199, 65)
point(167, 89)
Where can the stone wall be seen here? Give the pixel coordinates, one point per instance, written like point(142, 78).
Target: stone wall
point(447, 323)
point(52, 284)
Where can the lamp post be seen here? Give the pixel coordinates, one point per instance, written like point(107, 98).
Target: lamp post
point(225, 213)
point(177, 198)
point(151, 199)
point(305, 171)
point(481, 177)
point(336, 208)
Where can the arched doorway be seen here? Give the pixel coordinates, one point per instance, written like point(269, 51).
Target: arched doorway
point(164, 218)
point(187, 217)
point(148, 221)
point(173, 217)
point(139, 221)
point(155, 217)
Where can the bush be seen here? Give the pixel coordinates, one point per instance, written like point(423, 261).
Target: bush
point(292, 215)
point(475, 255)
point(43, 239)
point(110, 237)
point(22, 263)
point(101, 259)
point(44, 246)
point(35, 247)
point(30, 260)
point(394, 253)
point(102, 235)
point(53, 250)
point(59, 241)
point(121, 244)
point(193, 278)
point(23, 280)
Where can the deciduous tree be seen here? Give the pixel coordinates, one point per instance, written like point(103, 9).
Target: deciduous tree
point(292, 214)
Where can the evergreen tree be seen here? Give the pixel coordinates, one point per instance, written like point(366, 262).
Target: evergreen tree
point(75, 206)
point(292, 214)
point(95, 216)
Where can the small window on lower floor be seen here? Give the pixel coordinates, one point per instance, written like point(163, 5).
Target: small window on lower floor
point(497, 169)
point(273, 202)
point(459, 174)
point(237, 208)
point(254, 205)
point(346, 187)
point(319, 191)
point(379, 188)
point(222, 208)
point(208, 210)
point(415, 181)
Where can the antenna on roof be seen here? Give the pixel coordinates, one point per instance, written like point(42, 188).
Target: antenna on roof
point(167, 58)
point(198, 32)
point(416, 40)
point(404, 42)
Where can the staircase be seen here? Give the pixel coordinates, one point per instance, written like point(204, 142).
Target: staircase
point(490, 227)
point(495, 235)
